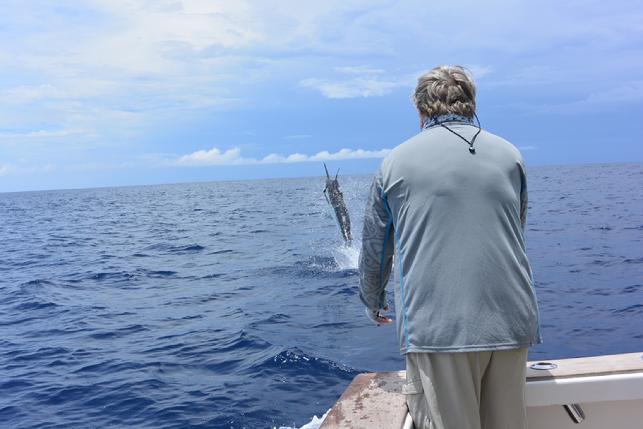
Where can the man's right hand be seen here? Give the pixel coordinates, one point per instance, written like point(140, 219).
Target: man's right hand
point(377, 317)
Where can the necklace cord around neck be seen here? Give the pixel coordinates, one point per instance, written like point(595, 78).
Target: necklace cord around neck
point(470, 143)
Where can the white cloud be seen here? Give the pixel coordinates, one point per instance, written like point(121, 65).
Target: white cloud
point(366, 81)
point(349, 154)
point(29, 93)
point(153, 33)
point(40, 134)
point(360, 70)
point(297, 136)
point(479, 71)
point(233, 156)
point(295, 157)
point(213, 156)
point(358, 81)
point(140, 54)
point(617, 96)
point(16, 170)
point(626, 92)
point(352, 88)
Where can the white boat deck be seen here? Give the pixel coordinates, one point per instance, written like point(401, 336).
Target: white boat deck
point(607, 392)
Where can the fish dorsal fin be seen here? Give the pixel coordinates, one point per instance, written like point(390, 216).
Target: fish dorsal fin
point(326, 168)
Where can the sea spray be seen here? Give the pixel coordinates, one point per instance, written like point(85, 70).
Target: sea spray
point(315, 423)
point(346, 257)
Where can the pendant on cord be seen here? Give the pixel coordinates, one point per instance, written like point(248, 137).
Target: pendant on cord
point(472, 150)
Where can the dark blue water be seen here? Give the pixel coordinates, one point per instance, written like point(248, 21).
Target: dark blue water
point(233, 305)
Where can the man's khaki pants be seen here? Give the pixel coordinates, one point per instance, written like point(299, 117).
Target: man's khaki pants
point(468, 390)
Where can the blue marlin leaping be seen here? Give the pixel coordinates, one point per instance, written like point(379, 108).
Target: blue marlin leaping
point(336, 200)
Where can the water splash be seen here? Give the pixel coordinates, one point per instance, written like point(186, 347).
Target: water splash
point(315, 423)
point(346, 257)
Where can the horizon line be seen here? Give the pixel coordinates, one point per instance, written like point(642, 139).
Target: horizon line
point(274, 178)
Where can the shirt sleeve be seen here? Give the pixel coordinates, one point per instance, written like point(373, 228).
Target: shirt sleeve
point(523, 195)
point(376, 257)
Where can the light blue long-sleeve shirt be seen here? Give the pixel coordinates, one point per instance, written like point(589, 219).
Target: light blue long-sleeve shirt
point(454, 221)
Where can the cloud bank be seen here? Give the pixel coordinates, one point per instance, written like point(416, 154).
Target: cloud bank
point(83, 81)
point(364, 81)
point(216, 156)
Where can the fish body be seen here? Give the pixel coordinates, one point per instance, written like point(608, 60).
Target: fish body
point(336, 200)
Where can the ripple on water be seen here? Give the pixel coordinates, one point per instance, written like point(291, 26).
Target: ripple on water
point(632, 310)
point(295, 362)
point(118, 333)
point(160, 273)
point(113, 276)
point(168, 248)
point(36, 283)
point(631, 289)
point(221, 252)
point(35, 306)
point(273, 319)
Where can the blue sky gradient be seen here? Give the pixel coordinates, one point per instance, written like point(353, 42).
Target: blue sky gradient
point(126, 92)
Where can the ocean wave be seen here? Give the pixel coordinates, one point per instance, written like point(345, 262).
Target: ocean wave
point(631, 289)
point(295, 360)
point(36, 282)
point(160, 273)
point(192, 248)
point(35, 305)
point(211, 276)
point(118, 333)
point(316, 266)
point(109, 366)
point(220, 252)
point(242, 341)
point(173, 249)
point(630, 310)
point(114, 276)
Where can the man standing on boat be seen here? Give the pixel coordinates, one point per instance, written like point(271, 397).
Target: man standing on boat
point(451, 204)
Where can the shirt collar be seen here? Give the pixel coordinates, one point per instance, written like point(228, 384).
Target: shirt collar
point(449, 117)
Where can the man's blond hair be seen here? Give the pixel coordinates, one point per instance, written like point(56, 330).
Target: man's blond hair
point(444, 90)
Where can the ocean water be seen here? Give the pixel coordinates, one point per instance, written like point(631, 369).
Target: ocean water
point(234, 305)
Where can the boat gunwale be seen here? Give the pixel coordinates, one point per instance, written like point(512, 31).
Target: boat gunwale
point(377, 398)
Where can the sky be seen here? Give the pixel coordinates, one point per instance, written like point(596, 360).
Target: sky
point(130, 92)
